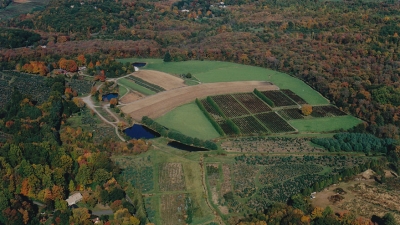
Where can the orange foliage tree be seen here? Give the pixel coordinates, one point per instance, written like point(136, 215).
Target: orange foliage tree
point(68, 65)
point(306, 109)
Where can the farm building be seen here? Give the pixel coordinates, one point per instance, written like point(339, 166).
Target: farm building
point(73, 199)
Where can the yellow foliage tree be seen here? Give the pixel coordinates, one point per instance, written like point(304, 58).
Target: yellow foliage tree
point(316, 213)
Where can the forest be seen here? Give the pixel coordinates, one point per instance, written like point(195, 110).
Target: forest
point(44, 161)
point(346, 50)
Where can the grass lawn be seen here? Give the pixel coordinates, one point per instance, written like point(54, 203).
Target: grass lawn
point(122, 91)
point(135, 86)
point(216, 71)
point(15, 9)
point(326, 124)
point(189, 120)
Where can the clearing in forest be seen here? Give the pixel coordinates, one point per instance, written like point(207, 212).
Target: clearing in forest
point(216, 71)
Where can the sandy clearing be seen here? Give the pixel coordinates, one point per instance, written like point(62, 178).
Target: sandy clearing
point(130, 97)
point(161, 79)
point(157, 105)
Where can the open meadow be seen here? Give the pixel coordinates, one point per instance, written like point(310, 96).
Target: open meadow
point(190, 114)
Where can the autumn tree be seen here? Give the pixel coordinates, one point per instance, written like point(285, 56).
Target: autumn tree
point(306, 109)
point(113, 102)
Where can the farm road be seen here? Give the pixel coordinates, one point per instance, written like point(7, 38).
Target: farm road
point(157, 105)
point(89, 103)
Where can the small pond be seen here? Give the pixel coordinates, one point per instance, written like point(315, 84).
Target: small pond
point(108, 97)
point(139, 131)
point(188, 148)
point(139, 64)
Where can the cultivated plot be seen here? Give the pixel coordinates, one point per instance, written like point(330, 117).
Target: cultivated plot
point(171, 177)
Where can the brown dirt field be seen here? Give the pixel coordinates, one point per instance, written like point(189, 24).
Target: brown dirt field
point(164, 80)
point(157, 105)
point(21, 1)
point(364, 197)
point(131, 97)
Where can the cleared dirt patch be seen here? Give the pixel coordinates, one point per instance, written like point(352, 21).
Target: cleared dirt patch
point(157, 105)
point(364, 197)
point(131, 97)
point(161, 79)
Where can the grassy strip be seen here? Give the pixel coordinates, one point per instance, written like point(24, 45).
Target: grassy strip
point(264, 98)
point(215, 106)
point(177, 136)
point(212, 121)
point(325, 124)
point(136, 87)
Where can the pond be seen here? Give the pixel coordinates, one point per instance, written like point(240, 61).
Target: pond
point(139, 131)
point(139, 64)
point(108, 97)
point(188, 148)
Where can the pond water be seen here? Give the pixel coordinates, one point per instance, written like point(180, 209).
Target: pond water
point(188, 148)
point(139, 64)
point(108, 97)
point(139, 131)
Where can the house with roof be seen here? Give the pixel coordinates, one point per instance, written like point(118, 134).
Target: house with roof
point(73, 199)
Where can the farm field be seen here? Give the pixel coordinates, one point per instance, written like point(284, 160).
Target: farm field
point(215, 71)
point(135, 87)
point(161, 79)
point(176, 181)
point(189, 120)
point(20, 7)
point(33, 85)
point(157, 105)
point(326, 124)
point(173, 176)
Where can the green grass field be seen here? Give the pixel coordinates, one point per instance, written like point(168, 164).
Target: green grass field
point(216, 71)
point(135, 87)
point(15, 9)
point(122, 91)
point(326, 124)
point(189, 120)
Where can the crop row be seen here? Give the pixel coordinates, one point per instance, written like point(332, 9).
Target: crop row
point(229, 106)
point(326, 111)
point(248, 125)
point(281, 192)
point(141, 178)
point(252, 103)
point(32, 85)
point(274, 123)
point(278, 98)
point(146, 84)
point(291, 114)
point(211, 110)
point(279, 173)
point(81, 86)
point(294, 96)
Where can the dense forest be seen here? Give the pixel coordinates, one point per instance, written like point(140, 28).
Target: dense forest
point(346, 50)
point(43, 161)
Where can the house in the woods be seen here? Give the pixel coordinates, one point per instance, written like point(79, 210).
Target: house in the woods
point(73, 199)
